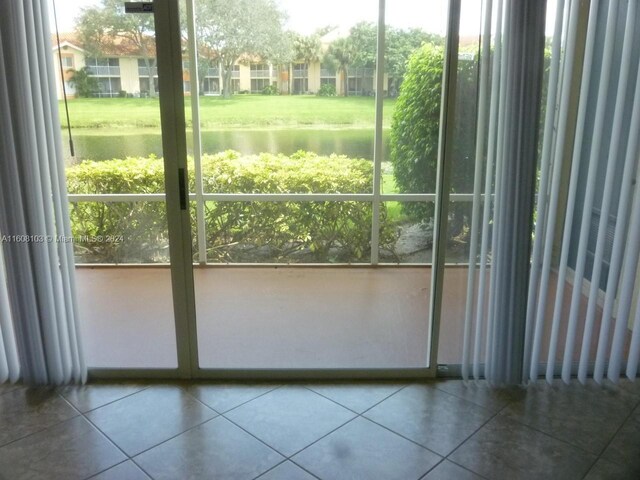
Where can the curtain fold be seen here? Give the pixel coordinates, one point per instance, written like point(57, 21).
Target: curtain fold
point(582, 315)
point(34, 220)
point(508, 103)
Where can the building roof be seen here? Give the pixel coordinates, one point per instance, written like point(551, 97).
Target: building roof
point(112, 47)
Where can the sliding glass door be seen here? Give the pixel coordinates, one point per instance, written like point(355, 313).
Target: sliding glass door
point(117, 186)
point(261, 193)
point(313, 182)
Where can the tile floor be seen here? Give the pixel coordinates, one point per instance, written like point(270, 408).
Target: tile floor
point(440, 430)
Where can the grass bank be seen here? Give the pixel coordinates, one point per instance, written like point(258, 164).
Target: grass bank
point(241, 111)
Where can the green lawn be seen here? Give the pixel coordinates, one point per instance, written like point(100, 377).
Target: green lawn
point(241, 111)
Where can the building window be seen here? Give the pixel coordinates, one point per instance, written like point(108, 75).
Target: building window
point(108, 86)
point(103, 67)
point(260, 70)
point(67, 61)
point(144, 71)
point(259, 84)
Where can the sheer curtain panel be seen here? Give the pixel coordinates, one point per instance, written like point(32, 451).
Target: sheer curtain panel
point(581, 315)
point(511, 66)
point(37, 291)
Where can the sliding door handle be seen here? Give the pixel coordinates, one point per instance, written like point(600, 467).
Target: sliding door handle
point(182, 187)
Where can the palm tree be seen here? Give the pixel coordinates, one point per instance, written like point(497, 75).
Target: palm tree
point(306, 49)
point(341, 54)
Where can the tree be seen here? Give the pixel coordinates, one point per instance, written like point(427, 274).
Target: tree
point(103, 28)
point(341, 54)
point(306, 49)
point(400, 44)
point(84, 84)
point(237, 30)
point(364, 39)
point(415, 132)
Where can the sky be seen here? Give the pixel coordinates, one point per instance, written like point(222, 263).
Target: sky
point(305, 16)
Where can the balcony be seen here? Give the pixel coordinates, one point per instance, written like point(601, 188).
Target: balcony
point(144, 71)
point(327, 72)
point(300, 73)
point(260, 74)
point(213, 72)
point(361, 73)
point(103, 71)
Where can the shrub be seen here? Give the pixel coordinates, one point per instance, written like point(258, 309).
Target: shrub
point(84, 84)
point(415, 131)
point(270, 90)
point(327, 90)
point(236, 231)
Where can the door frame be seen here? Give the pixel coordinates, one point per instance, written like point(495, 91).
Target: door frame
point(172, 108)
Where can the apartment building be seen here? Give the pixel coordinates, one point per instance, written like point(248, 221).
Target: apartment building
point(123, 70)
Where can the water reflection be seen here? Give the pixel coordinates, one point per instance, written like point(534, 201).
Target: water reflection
point(356, 143)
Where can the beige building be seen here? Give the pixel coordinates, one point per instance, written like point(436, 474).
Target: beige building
point(122, 71)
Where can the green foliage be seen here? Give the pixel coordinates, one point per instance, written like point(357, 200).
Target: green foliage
point(399, 45)
point(143, 225)
point(307, 49)
point(415, 130)
point(414, 127)
point(364, 38)
point(235, 231)
point(102, 28)
point(341, 54)
point(232, 31)
point(270, 90)
point(84, 84)
point(327, 90)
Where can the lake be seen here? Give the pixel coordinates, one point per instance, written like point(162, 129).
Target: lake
point(350, 142)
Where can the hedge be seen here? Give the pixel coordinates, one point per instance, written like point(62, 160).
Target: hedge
point(235, 231)
point(415, 132)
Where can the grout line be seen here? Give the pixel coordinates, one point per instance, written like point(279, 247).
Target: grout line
point(440, 462)
point(127, 457)
point(547, 434)
point(251, 434)
point(237, 406)
point(142, 469)
point(467, 469)
point(322, 437)
point(113, 466)
point(495, 415)
point(57, 423)
point(403, 436)
point(304, 469)
point(108, 403)
point(282, 463)
point(355, 411)
point(174, 436)
point(624, 422)
point(507, 402)
point(270, 469)
point(132, 458)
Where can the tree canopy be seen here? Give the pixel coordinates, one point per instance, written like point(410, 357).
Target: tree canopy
point(104, 27)
point(341, 54)
point(239, 30)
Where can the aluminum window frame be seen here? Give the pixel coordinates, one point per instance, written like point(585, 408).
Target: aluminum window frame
point(180, 224)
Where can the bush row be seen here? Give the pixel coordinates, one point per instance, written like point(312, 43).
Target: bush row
point(235, 231)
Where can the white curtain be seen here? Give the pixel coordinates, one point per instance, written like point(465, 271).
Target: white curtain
point(589, 290)
point(510, 84)
point(38, 314)
point(582, 317)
